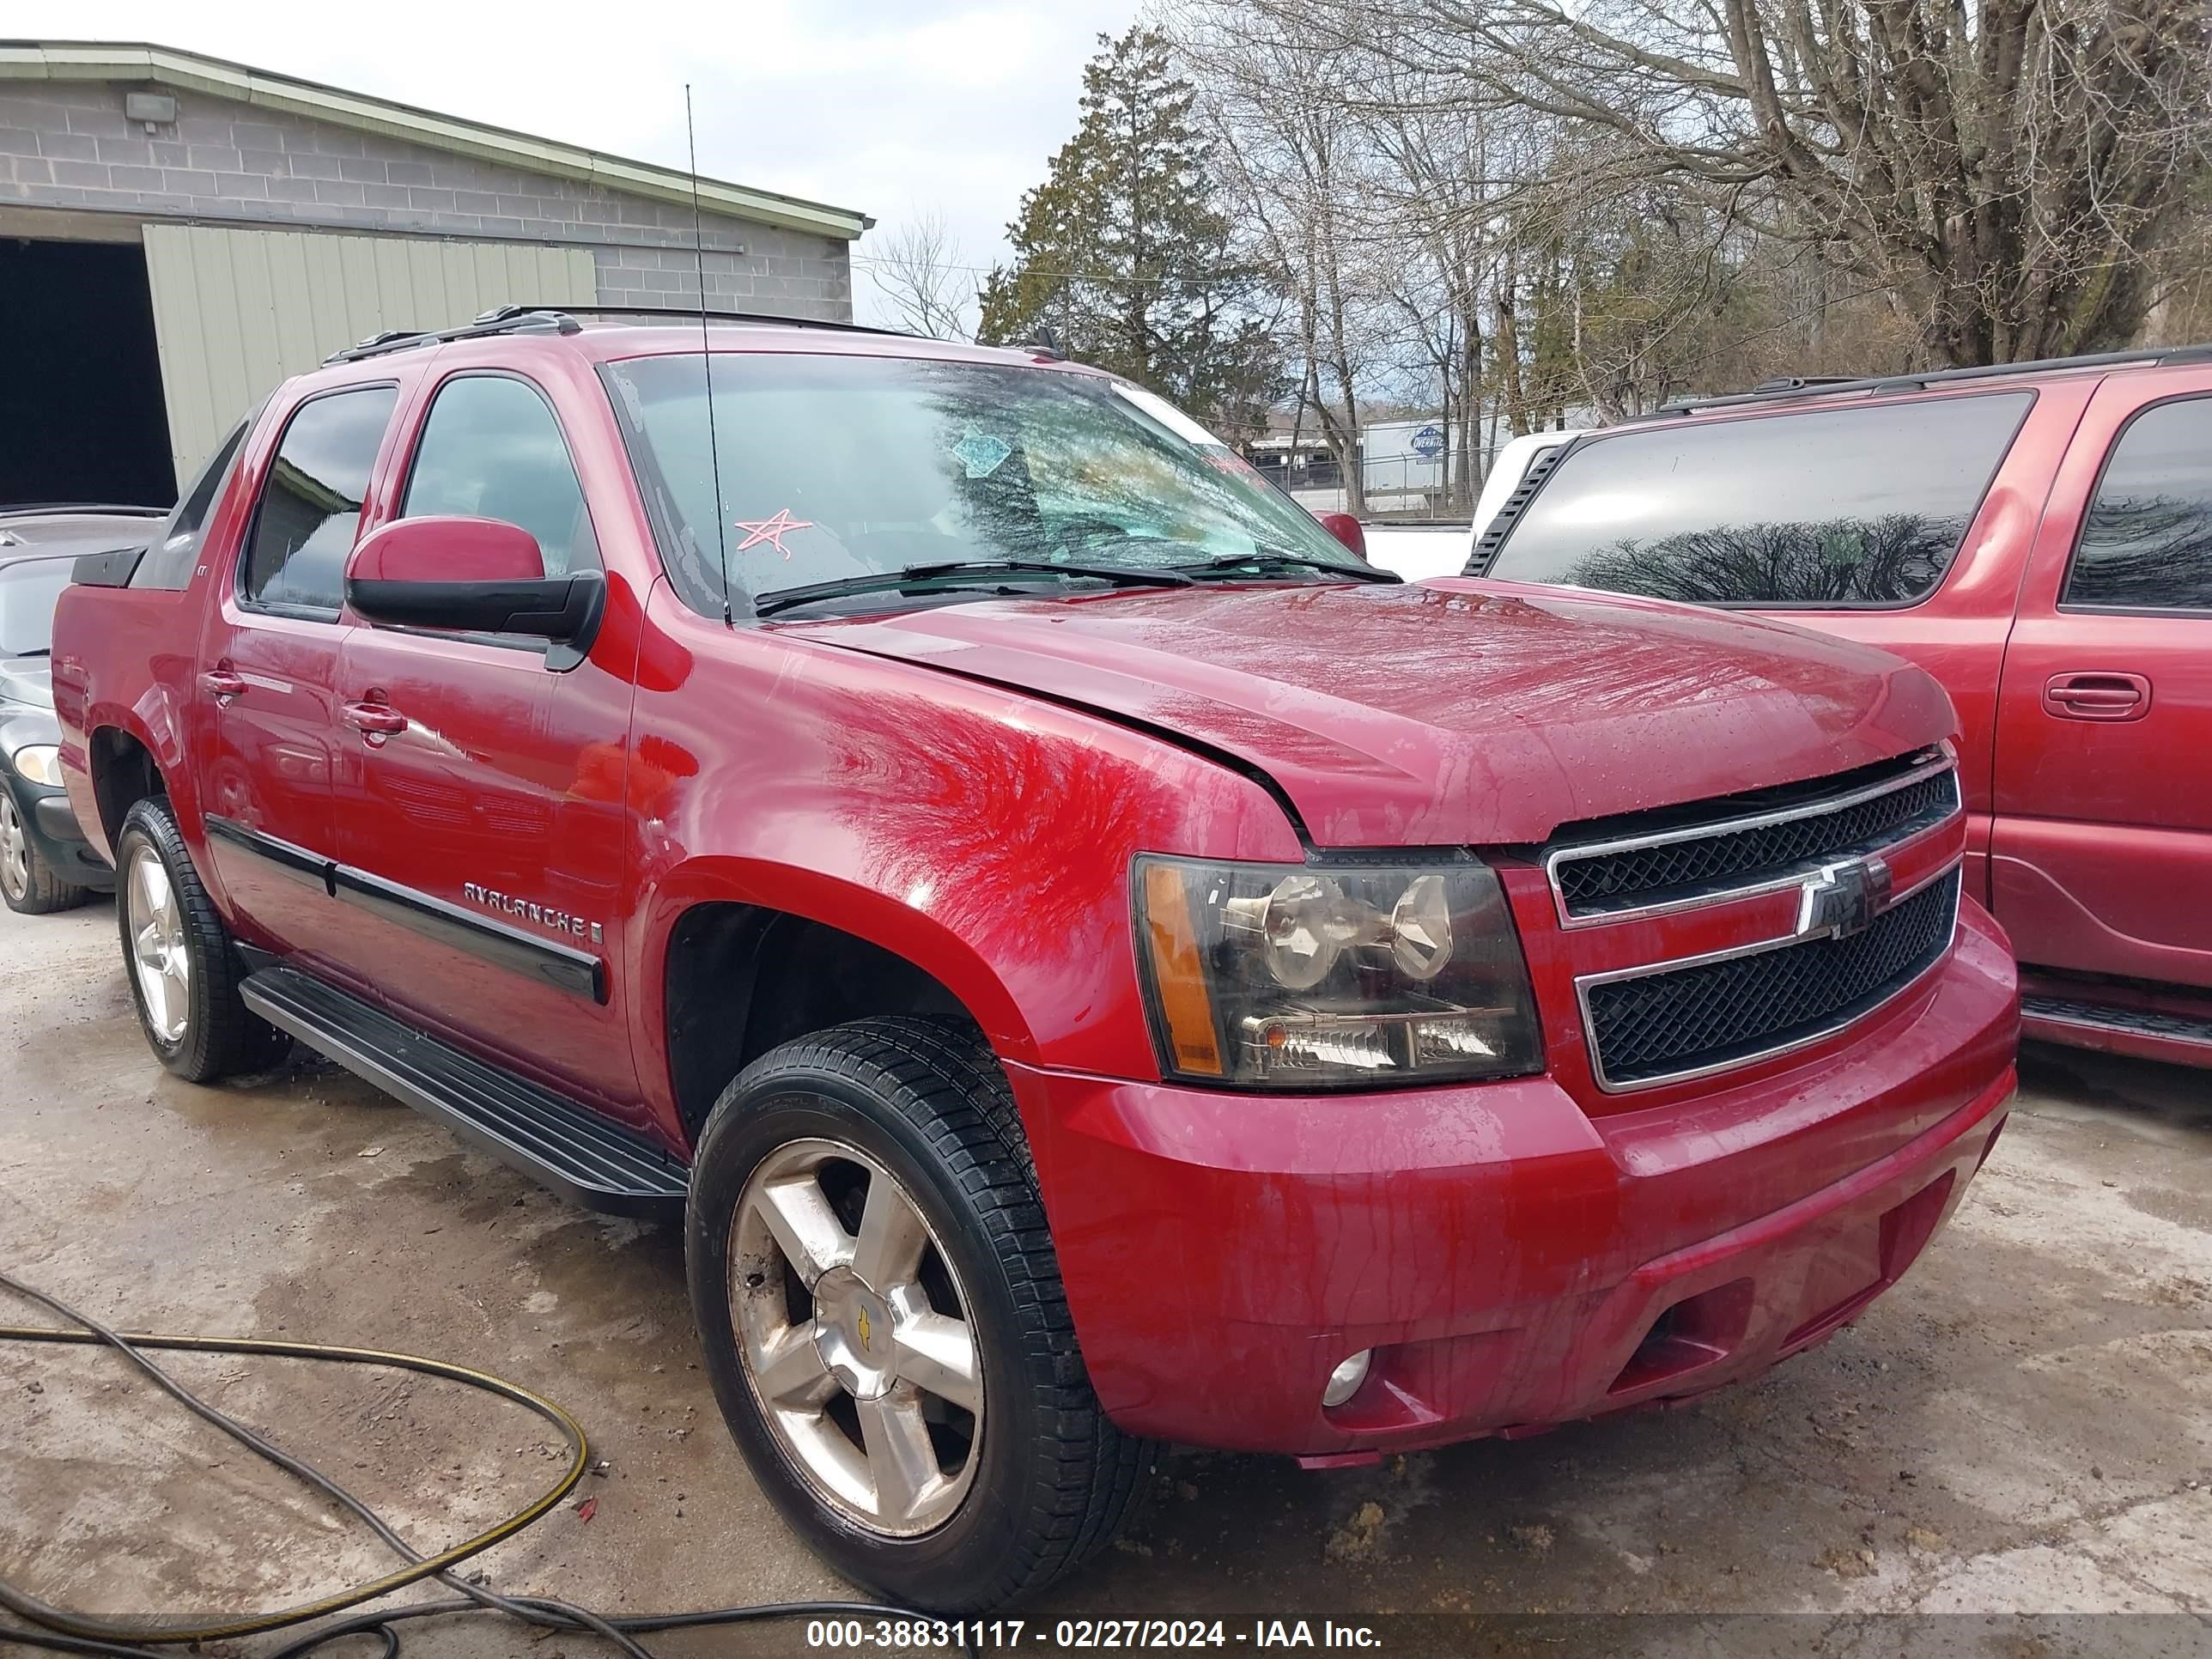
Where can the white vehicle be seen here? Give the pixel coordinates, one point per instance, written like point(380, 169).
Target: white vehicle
point(1421, 552)
point(1506, 472)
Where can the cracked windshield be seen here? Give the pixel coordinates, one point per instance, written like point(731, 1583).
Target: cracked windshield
point(835, 468)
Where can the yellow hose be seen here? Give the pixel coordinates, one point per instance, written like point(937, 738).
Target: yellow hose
point(77, 1624)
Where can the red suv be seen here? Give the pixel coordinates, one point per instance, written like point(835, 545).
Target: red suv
point(2038, 537)
point(1091, 960)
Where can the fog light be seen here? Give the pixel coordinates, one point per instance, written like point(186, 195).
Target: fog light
point(1343, 1382)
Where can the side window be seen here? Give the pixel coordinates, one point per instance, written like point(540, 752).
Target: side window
point(491, 449)
point(1813, 507)
point(311, 505)
point(2146, 542)
point(169, 562)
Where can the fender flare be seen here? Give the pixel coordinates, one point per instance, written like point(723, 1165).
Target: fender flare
point(836, 901)
point(147, 724)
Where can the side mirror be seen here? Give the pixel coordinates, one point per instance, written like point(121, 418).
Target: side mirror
point(1345, 529)
point(476, 576)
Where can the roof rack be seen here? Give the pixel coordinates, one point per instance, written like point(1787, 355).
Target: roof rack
point(562, 319)
point(505, 320)
point(1782, 383)
point(693, 314)
point(1821, 385)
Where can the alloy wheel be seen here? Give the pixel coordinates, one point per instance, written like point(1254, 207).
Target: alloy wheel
point(160, 955)
point(857, 1337)
point(14, 850)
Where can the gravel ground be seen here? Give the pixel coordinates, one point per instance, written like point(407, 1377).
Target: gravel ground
point(2019, 1436)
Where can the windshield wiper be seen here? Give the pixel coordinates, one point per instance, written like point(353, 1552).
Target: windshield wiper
point(883, 581)
point(1264, 558)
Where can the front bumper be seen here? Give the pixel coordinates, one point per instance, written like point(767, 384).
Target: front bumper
point(1513, 1261)
point(52, 827)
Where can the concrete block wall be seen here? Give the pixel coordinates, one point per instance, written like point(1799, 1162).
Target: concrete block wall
point(66, 144)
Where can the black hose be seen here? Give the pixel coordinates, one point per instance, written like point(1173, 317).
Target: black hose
point(66, 1631)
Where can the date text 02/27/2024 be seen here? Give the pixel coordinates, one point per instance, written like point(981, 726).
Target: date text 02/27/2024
point(901, 1635)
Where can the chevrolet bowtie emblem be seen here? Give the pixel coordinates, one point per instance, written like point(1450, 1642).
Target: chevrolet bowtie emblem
point(1840, 899)
point(864, 1327)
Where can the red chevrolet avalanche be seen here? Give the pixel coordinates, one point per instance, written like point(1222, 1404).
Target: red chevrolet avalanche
point(1090, 959)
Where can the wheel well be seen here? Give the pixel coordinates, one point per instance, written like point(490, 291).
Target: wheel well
point(123, 774)
point(743, 978)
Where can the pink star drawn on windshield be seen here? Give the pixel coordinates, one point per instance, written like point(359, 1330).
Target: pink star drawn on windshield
point(771, 531)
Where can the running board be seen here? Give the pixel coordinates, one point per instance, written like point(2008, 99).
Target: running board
point(576, 1151)
point(2151, 1031)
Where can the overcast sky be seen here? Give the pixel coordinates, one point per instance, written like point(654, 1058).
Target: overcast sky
point(893, 108)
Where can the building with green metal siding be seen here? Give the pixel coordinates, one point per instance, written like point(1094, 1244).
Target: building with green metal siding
point(178, 233)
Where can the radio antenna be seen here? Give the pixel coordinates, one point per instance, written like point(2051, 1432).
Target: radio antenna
point(706, 363)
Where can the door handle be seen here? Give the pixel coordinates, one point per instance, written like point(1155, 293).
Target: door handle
point(222, 682)
point(377, 719)
point(2097, 696)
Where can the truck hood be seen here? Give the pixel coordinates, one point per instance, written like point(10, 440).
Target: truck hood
point(1460, 713)
point(27, 679)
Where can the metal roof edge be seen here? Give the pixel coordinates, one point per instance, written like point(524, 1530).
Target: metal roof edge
point(95, 60)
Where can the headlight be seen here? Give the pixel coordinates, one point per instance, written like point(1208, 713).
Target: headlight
point(41, 762)
point(1321, 975)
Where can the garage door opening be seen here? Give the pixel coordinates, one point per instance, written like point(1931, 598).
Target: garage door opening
point(82, 417)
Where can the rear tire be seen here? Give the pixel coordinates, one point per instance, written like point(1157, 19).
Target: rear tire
point(28, 883)
point(1011, 1494)
point(177, 954)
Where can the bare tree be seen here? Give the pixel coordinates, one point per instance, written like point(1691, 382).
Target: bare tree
point(917, 270)
point(1437, 247)
point(1291, 162)
point(1998, 170)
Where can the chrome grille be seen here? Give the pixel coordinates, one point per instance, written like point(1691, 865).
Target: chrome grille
point(1671, 1021)
point(1660, 861)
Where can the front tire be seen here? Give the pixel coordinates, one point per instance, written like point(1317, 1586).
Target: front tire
point(184, 975)
point(883, 1320)
point(28, 885)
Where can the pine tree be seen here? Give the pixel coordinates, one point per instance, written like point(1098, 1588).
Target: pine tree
point(1123, 251)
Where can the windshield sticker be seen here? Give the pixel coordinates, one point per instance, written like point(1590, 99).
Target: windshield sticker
point(771, 531)
point(981, 453)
